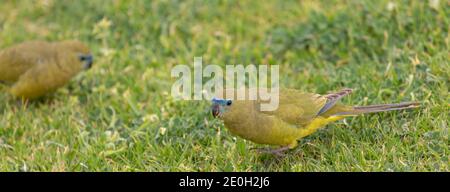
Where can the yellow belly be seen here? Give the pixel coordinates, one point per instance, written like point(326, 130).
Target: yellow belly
point(284, 134)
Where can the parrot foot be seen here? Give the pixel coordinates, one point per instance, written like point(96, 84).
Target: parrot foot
point(22, 103)
point(278, 152)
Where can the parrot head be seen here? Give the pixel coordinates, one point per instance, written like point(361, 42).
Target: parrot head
point(82, 54)
point(220, 106)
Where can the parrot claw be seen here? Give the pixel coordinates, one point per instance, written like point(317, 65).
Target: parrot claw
point(280, 152)
point(23, 103)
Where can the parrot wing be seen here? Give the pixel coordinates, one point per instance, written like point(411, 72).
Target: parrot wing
point(39, 80)
point(332, 99)
point(17, 60)
point(298, 108)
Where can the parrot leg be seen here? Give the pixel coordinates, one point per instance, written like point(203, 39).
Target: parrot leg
point(278, 152)
point(22, 103)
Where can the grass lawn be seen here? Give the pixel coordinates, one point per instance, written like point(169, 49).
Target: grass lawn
point(119, 116)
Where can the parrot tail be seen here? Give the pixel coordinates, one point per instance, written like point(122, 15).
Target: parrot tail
point(380, 108)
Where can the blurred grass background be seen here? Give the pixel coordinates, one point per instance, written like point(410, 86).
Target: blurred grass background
point(119, 115)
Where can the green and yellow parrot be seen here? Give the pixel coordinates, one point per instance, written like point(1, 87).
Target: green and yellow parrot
point(35, 68)
point(298, 115)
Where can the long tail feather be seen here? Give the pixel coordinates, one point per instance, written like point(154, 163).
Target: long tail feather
point(380, 108)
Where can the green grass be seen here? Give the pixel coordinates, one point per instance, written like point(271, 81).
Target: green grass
point(111, 117)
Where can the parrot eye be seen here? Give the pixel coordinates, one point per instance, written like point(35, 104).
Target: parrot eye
point(229, 102)
point(85, 57)
point(87, 60)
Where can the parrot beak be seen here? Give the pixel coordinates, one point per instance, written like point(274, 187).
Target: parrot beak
point(215, 110)
point(88, 60)
point(218, 107)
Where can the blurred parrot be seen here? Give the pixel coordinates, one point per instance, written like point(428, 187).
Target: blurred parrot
point(298, 115)
point(36, 68)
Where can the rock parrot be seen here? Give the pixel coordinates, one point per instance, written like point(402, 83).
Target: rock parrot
point(298, 115)
point(35, 68)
